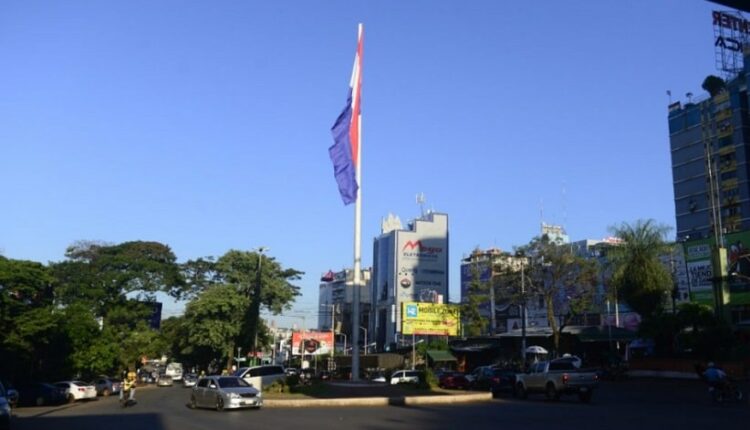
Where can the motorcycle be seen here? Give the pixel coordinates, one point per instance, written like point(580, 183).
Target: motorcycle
point(125, 400)
point(727, 391)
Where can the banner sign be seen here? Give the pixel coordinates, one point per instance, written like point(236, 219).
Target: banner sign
point(312, 342)
point(430, 319)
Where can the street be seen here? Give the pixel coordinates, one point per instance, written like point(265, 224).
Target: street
point(641, 404)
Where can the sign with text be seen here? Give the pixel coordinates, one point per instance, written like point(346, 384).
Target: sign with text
point(312, 342)
point(430, 319)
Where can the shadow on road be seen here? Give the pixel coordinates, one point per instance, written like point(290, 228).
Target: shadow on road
point(91, 422)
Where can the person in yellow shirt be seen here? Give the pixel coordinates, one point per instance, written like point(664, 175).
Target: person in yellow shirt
point(128, 384)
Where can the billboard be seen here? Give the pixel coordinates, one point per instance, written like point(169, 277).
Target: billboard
point(700, 270)
point(312, 342)
point(430, 319)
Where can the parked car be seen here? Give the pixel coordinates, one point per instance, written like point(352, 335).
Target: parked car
point(189, 380)
point(164, 380)
point(260, 376)
point(225, 392)
point(5, 410)
point(453, 380)
point(405, 377)
point(503, 381)
point(11, 394)
point(106, 386)
point(77, 390)
point(40, 394)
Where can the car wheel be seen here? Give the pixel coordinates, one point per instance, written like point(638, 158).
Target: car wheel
point(219, 403)
point(521, 391)
point(585, 397)
point(551, 392)
point(106, 392)
point(71, 398)
point(192, 402)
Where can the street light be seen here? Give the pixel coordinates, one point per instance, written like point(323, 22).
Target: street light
point(256, 305)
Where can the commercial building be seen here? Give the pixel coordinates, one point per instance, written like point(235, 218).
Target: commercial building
point(409, 265)
point(336, 295)
point(710, 149)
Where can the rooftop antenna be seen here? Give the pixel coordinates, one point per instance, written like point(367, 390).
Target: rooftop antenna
point(689, 96)
point(420, 201)
point(669, 94)
point(541, 211)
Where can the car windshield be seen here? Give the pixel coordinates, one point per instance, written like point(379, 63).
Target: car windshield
point(232, 383)
point(240, 371)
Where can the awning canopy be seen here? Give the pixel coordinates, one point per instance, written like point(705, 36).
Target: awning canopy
point(438, 355)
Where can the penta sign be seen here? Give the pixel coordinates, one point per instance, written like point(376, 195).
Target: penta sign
point(731, 33)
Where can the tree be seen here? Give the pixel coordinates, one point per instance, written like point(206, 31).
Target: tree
point(639, 276)
point(270, 288)
point(213, 321)
point(565, 281)
point(474, 323)
point(27, 322)
point(714, 85)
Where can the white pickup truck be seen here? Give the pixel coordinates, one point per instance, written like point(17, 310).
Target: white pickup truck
point(555, 378)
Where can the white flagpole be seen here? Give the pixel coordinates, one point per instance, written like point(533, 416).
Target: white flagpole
point(357, 237)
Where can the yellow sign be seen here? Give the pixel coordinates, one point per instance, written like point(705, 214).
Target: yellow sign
point(430, 319)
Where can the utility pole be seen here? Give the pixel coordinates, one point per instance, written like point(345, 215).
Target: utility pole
point(523, 315)
point(493, 324)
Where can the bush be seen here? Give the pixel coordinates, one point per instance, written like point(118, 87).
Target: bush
point(278, 386)
point(428, 379)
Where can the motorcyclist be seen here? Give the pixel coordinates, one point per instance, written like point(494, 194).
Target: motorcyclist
point(715, 376)
point(128, 384)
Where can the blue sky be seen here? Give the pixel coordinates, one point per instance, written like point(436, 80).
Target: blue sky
point(206, 125)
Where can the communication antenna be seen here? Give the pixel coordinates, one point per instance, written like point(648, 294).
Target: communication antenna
point(669, 94)
point(689, 96)
point(420, 201)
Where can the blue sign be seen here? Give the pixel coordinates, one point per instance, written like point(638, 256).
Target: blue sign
point(411, 311)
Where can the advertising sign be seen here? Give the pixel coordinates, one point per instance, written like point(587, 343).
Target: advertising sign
point(422, 268)
point(312, 342)
point(699, 271)
point(430, 319)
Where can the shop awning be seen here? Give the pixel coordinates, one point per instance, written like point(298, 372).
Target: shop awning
point(440, 356)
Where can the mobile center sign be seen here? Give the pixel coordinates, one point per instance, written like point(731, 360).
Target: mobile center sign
point(430, 319)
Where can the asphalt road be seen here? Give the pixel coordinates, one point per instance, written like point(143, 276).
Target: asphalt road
point(634, 404)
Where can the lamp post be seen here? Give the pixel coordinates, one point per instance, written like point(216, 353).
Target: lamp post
point(256, 303)
point(344, 334)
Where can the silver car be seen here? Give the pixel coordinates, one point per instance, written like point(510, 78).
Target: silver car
point(225, 392)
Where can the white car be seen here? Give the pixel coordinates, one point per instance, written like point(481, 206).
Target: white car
point(77, 390)
point(405, 377)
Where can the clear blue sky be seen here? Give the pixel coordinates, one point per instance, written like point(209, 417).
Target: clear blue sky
point(206, 125)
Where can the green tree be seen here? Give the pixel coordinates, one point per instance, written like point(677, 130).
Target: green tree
point(639, 277)
point(474, 323)
point(565, 281)
point(27, 322)
point(213, 321)
point(713, 84)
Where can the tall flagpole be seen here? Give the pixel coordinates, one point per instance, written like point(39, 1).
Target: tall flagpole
point(357, 229)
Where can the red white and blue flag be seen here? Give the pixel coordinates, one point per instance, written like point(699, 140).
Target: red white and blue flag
point(344, 152)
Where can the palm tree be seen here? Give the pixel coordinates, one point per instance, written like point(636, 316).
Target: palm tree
point(639, 276)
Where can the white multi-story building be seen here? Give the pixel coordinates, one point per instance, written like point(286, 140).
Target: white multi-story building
point(409, 265)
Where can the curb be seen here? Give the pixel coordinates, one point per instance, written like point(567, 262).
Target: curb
point(378, 401)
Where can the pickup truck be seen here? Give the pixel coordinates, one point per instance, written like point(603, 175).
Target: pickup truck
point(555, 378)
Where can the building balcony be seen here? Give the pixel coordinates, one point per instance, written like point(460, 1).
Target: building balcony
point(723, 114)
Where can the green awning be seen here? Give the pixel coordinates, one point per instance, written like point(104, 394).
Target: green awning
point(438, 355)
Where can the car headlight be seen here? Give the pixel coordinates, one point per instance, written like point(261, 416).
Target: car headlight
point(260, 394)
